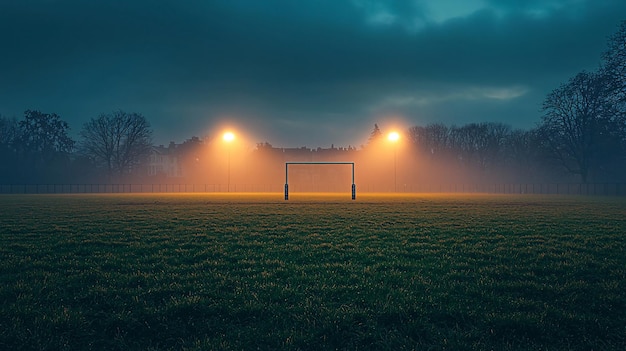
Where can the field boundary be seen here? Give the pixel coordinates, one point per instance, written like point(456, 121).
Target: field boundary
point(589, 189)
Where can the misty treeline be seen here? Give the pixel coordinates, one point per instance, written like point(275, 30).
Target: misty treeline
point(581, 137)
point(37, 149)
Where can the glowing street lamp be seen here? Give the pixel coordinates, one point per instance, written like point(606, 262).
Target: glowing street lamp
point(228, 138)
point(393, 137)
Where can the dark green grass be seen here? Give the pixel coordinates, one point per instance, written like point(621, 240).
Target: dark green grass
point(197, 272)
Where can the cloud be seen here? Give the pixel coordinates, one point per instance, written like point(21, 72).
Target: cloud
point(303, 67)
point(506, 93)
point(429, 97)
point(415, 15)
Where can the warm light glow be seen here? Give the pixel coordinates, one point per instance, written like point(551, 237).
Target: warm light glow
point(228, 137)
point(393, 137)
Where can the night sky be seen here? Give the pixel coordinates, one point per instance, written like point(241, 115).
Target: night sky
point(296, 72)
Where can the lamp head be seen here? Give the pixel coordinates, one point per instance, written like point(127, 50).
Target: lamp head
point(228, 137)
point(393, 137)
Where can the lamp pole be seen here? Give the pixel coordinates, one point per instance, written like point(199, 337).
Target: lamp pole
point(394, 137)
point(395, 169)
point(228, 138)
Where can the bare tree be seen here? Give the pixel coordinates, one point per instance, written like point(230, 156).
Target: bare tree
point(524, 155)
point(470, 143)
point(614, 67)
point(433, 139)
point(116, 141)
point(579, 124)
point(615, 63)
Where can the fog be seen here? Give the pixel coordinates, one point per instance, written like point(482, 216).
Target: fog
point(380, 166)
point(486, 157)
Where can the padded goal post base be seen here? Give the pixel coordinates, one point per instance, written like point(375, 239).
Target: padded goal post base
point(287, 191)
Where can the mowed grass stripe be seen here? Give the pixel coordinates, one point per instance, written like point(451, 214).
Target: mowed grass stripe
point(242, 271)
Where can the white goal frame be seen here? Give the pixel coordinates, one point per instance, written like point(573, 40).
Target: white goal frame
point(316, 163)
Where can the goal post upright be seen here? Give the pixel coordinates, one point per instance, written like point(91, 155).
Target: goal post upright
point(317, 163)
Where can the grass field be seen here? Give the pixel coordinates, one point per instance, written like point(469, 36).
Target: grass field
point(249, 271)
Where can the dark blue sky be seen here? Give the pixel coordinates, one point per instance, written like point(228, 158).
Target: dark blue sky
point(296, 72)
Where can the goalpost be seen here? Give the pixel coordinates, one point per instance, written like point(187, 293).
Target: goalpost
point(316, 163)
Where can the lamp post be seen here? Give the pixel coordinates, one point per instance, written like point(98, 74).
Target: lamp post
point(228, 137)
point(394, 137)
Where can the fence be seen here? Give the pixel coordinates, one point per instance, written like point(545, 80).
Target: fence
point(592, 189)
point(133, 188)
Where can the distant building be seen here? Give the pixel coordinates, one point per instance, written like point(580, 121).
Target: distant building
point(164, 161)
point(320, 154)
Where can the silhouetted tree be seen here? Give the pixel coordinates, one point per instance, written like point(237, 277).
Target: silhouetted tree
point(615, 63)
point(614, 67)
point(44, 135)
point(9, 134)
point(493, 154)
point(118, 141)
point(579, 124)
point(480, 146)
point(375, 135)
point(479, 149)
point(524, 156)
point(43, 147)
point(470, 143)
point(433, 139)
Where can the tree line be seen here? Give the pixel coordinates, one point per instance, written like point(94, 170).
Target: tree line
point(581, 137)
point(38, 149)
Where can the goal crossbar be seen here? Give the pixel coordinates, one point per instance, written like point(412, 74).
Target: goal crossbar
point(316, 163)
